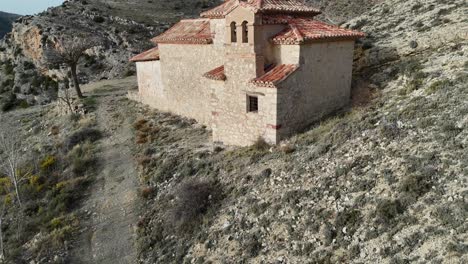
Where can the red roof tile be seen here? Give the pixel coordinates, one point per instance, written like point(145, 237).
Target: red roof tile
point(275, 75)
point(262, 6)
point(149, 55)
point(302, 30)
point(188, 31)
point(221, 10)
point(216, 74)
point(282, 6)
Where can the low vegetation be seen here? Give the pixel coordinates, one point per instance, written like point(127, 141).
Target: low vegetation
point(39, 220)
point(377, 183)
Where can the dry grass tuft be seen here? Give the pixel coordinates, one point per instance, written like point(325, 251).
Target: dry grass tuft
point(261, 144)
point(140, 123)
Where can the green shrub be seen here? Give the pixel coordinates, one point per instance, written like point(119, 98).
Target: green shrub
point(452, 214)
point(90, 103)
point(413, 186)
point(416, 82)
point(194, 199)
point(56, 222)
point(349, 219)
point(28, 65)
point(457, 248)
point(83, 135)
point(261, 144)
point(23, 104)
point(252, 246)
point(18, 51)
point(48, 162)
point(438, 85)
point(8, 84)
point(99, 19)
point(82, 158)
point(450, 128)
point(412, 70)
point(8, 68)
point(387, 210)
point(129, 72)
point(9, 103)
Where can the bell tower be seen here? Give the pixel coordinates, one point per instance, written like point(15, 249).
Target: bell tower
point(243, 44)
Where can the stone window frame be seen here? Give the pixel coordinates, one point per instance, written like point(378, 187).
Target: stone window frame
point(252, 103)
point(245, 32)
point(233, 32)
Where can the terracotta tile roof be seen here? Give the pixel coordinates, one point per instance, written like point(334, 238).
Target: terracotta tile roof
point(149, 55)
point(187, 31)
point(221, 10)
point(281, 6)
point(275, 75)
point(262, 6)
point(302, 30)
point(216, 74)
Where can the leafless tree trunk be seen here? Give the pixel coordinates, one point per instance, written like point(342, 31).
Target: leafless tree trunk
point(76, 83)
point(68, 52)
point(2, 248)
point(67, 99)
point(10, 148)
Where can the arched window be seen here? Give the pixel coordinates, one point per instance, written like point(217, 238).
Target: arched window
point(245, 32)
point(233, 32)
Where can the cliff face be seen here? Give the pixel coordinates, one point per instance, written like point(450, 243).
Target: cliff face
point(122, 28)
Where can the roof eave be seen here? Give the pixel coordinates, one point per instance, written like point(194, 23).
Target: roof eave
point(183, 41)
point(314, 40)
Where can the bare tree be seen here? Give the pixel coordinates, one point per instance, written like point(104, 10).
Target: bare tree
point(2, 215)
point(65, 97)
point(68, 52)
point(10, 150)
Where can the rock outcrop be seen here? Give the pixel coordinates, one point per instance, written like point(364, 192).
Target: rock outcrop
point(122, 28)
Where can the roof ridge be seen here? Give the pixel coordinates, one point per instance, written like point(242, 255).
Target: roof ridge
point(275, 76)
point(194, 19)
point(148, 55)
point(192, 31)
point(303, 30)
point(264, 6)
point(297, 32)
point(216, 74)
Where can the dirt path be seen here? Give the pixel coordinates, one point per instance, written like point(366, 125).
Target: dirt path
point(109, 228)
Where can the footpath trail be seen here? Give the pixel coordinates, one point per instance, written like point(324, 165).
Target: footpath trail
point(108, 234)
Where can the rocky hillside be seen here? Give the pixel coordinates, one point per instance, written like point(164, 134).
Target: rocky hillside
point(381, 182)
point(338, 12)
point(122, 28)
point(384, 182)
point(6, 21)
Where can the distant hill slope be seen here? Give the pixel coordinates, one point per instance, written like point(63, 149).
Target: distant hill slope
point(6, 20)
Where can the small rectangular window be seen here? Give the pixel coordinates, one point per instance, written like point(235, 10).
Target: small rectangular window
point(252, 103)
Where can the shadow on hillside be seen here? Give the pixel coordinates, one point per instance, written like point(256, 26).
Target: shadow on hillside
point(374, 67)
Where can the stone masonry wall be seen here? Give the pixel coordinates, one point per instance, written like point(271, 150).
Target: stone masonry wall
point(150, 87)
point(188, 92)
point(321, 85)
point(232, 124)
point(218, 27)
